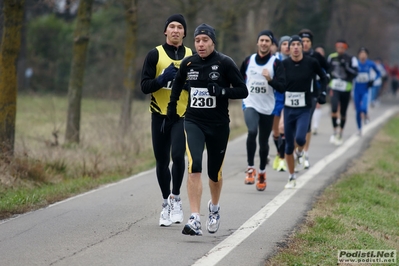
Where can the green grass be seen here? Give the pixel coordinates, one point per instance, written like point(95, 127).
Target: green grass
point(359, 211)
point(44, 170)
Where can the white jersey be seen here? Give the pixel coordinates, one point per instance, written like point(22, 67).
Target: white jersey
point(260, 93)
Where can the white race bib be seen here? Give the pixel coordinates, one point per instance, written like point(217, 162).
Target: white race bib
point(295, 99)
point(362, 77)
point(258, 86)
point(338, 85)
point(200, 98)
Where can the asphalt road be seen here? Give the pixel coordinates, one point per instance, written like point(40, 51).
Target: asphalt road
point(118, 224)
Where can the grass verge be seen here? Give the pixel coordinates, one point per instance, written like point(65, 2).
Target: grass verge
point(44, 170)
point(358, 212)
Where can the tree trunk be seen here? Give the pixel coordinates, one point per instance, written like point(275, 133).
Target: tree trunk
point(129, 63)
point(81, 42)
point(11, 41)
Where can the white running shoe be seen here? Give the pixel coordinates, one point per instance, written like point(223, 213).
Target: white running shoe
point(338, 141)
point(291, 183)
point(332, 139)
point(176, 210)
point(213, 222)
point(306, 163)
point(192, 228)
point(164, 219)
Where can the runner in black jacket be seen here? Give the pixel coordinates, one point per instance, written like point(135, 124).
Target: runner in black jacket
point(299, 73)
point(213, 79)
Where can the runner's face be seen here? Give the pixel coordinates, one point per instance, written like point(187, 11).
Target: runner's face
point(203, 45)
point(264, 44)
point(362, 56)
point(340, 48)
point(307, 44)
point(296, 49)
point(174, 33)
point(285, 49)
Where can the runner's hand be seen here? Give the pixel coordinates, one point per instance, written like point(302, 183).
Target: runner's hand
point(168, 74)
point(214, 89)
point(172, 112)
point(322, 98)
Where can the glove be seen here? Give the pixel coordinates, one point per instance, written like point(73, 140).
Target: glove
point(370, 84)
point(171, 112)
point(215, 90)
point(168, 74)
point(186, 86)
point(342, 62)
point(322, 98)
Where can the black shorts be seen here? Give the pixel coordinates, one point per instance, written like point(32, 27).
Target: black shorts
point(214, 138)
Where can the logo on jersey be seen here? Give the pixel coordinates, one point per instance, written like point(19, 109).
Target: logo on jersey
point(192, 75)
point(214, 75)
point(215, 67)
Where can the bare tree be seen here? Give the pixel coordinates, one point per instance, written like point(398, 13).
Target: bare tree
point(129, 63)
point(81, 42)
point(11, 41)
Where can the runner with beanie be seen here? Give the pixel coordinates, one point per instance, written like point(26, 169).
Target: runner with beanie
point(264, 74)
point(168, 140)
point(213, 79)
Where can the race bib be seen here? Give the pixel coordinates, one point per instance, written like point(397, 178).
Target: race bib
point(258, 86)
point(338, 85)
point(200, 98)
point(295, 99)
point(362, 78)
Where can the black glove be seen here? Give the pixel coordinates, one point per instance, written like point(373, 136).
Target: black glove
point(370, 84)
point(322, 98)
point(168, 74)
point(186, 86)
point(171, 112)
point(215, 90)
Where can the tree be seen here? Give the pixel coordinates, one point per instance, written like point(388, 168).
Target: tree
point(81, 41)
point(129, 62)
point(11, 41)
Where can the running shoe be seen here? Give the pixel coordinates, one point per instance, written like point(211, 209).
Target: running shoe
point(299, 160)
point(164, 219)
point(282, 167)
point(213, 222)
point(306, 163)
point(176, 210)
point(338, 140)
point(332, 139)
point(250, 177)
point(275, 162)
point(291, 183)
point(261, 184)
point(192, 228)
point(314, 131)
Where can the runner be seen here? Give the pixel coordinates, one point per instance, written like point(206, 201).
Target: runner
point(307, 40)
point(362, 84)
point(264, 74)
point(343, 69)
point(317, 112)
point(159, 69)
point(378, 82)
point(300, 71)
point(213, 79)
point(278, 123)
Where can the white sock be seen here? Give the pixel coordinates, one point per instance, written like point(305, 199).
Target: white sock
point(316, 117)
point(196, 216)
point(165, 202)
point(214, 208)
point(262, 171)
point(176, 197)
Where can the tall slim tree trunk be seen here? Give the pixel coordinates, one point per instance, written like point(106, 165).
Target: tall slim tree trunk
point(11, 41)
point(129, 63)
point(81, 42)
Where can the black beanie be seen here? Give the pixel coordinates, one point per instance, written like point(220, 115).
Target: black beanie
point(306, 34)
point(269, 34)
point(294, 38)
point(178, 18)
point(207, 30)
point(363, 49)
